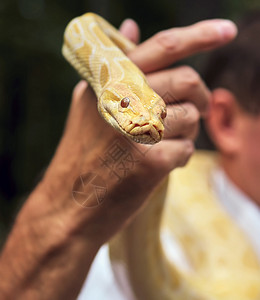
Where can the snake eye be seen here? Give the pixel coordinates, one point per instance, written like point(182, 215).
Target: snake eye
point(163, 114)
point(125, 102)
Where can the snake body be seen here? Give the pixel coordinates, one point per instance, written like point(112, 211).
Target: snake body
point(125, 100)
point(204, 232)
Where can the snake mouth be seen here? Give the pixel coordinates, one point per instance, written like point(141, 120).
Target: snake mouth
point(146, 133)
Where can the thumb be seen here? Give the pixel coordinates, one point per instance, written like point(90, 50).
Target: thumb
point(130, 30)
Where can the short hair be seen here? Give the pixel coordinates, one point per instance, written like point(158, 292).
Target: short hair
point(236, 66)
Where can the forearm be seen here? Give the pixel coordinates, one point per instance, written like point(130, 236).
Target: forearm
point(54, 239)
point(48, 254)
point(44, 260)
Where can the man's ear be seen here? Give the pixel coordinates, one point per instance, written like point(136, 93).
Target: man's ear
point(222, 122)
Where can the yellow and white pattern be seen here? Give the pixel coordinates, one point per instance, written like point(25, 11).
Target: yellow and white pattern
point(96, 49)
point(220, 263)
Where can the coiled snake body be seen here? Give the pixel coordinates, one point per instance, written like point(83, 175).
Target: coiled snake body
point(204, 232)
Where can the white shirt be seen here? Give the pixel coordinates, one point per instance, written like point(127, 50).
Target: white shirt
point(101, 284)
point(239, 206)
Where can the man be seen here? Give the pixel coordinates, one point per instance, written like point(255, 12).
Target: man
point(226, 185)
point(54, 240)
point(224, 232)
point(234, 122)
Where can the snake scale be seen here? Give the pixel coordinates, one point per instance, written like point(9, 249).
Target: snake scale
point(125, 100)
point(141, 263)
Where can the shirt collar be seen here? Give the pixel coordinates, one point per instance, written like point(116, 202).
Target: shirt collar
point(239, 206)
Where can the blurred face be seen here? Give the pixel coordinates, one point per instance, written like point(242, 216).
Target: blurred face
point(249, 153)
point(236, 135)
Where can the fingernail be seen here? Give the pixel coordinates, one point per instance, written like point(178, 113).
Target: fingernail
point(227, 29)
point(82, 84)
point(125, 25)
point(80, 88)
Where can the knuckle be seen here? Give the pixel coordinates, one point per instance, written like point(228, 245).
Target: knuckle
point(184, 158)
point(183, 161)
point(192, 118)
point(190, 77)
point(167, 40)
point(162, 156)
point(193, 133)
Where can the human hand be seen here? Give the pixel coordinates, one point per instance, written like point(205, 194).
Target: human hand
point(182, 85)
point(88, 137)
point(54, 229)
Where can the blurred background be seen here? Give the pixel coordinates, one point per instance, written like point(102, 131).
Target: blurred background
point(36, 82)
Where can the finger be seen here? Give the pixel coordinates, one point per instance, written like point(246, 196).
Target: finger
point(83, 105)
point(83, 98)
point(130, 29)
point(173, 153)
point(79, 90)
point(182, 121)
point(168, 46)
point(79, 106)
point(181, 84)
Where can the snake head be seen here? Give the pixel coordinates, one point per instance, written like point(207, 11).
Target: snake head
point(139, 117)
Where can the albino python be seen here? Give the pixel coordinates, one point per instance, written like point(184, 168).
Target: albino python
point(142, 255)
